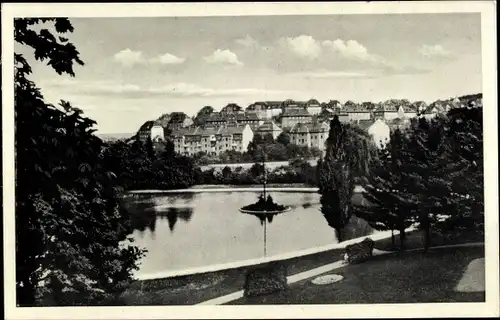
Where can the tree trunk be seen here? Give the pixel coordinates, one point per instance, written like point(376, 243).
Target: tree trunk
point(393, 240)
point(402, 238)
point(427, 235)
point(340, 236)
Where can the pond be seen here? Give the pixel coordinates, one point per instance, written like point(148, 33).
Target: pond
point(188, 230)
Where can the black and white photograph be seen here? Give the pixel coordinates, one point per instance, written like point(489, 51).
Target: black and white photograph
point(322, 159)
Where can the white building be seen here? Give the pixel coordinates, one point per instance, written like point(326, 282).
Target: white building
point(157, 132)
point(380, 132)
point(313, 107)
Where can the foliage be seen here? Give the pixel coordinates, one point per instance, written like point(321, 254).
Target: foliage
point(264, 205)
point(384, 211)
point(202, 115)
point(69, 228)
point(431, 175)
point(300, 172)
point(283, 138)
point(139, 166)
point(347, 155)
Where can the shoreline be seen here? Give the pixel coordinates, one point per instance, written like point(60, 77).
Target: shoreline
point(257, 261)
point(276, 187)
point(226, 188)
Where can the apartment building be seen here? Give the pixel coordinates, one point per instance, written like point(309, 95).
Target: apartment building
point(269, 127)
point(310, 134)
point(218, 119)
point(157, 132)
point(261, 109)
point(357, 112)
point(144, 132)
point(212, 140)
point(179, 120)
point(313, 107)
point(292, 116)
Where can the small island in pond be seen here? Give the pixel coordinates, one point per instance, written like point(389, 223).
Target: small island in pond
point(264, 205)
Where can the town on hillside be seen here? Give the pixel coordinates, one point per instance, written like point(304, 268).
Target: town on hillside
point(306, 122)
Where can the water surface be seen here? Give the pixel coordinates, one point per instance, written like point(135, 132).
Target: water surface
point(188, 230)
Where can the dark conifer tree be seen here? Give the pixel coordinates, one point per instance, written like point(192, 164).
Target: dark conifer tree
point(348, 151)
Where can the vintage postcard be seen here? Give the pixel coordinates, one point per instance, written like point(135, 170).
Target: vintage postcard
point(250, 160)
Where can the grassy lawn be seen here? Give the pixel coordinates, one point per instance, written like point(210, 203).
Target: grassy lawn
point(396, 278)
point(189, 290)
point(414, 240)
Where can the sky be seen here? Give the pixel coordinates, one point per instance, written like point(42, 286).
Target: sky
point(139, 68)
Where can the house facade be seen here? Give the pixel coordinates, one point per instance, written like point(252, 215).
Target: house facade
point(144, 132)
point(275, 107)
point(179, 120)
point(310, 134)
point(386, 112)
point(261, 109)
point(357, 112)
point(269, 127)
point(407, 111)
point(292, 116)
point(313, 107)
point(157, 132)
point(212, 141)
point(218, 119)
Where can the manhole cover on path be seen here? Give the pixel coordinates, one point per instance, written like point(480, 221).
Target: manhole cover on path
point(328, 279)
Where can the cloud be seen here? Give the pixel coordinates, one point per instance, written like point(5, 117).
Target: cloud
point(350, 49)
point(325, 74)
point(223, 57)
point(128, 57)
point(168, 58)
point(431, 51)
point(133, 91)
point(358, 74)
point(247, 42)
point(303, 46)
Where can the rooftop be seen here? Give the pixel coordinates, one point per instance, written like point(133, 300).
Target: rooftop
point(364, 124)
point(311, 127)
point(269, 126)
point(222, 117)
point(298, 112)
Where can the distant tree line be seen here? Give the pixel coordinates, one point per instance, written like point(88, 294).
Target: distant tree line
point(298, 171)
point(142, 166)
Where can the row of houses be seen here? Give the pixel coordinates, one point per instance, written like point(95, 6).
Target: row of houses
point(233, 128)
point(290, 112)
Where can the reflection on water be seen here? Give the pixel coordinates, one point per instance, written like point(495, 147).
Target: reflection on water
point(263, 217)
point(188, 230)
point(147, 210)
